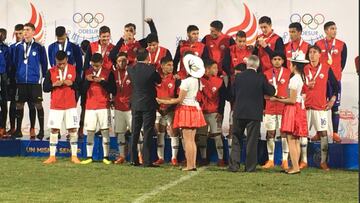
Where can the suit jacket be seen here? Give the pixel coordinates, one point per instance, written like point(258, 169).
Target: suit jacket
point(144, 78)
point(248, 93)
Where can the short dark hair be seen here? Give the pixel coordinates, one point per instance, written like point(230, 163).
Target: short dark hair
point(85, 44)
point(104, 29)
point(152, 38)
point(97, 58)
point(240, 67)
point(312, 47)
point(297, 26)
point(265, 19)
point(19, 27)
point(61, 55)
point(121, 54)
point(60, 31)
point(241, 34)
point(130, 25)
point(217, 24)
point(3, 31)
point(142, 54)
point(278, 53)
point(191, 28)
point(208, 63)
point(165, 59)
point(328, 24)
point(32, 26)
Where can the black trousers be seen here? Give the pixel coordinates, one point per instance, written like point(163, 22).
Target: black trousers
point(145, 119)
point(253, 133)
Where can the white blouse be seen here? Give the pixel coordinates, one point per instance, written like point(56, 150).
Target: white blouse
point(191, 86)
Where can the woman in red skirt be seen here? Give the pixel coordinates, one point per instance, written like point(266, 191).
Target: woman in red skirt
point(188, 115)
point(294, 122)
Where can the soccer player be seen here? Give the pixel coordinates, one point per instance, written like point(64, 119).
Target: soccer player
point(212, 101)
point(318, 74)
point(99, 83)
point(267, 43)
point(191, 45)
point(30, 63)
point(296, 43)
point(333, 52)
point(63, 82)
point(164, 117)
point(156, 52)
point(4, 72)
point(122, 104)
point(279, 77)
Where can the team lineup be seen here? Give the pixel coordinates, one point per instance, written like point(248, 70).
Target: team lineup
point(290, 87)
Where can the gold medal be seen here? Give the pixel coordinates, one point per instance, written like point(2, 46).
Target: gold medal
point(329, 61)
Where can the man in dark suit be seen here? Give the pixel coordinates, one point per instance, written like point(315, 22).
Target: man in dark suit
point(248, 93)
point(143, 105)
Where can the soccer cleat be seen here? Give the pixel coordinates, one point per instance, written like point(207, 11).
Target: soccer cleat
point(32, 132)
point(87, 161)
point(324, 166)
point(336, 138)
point(40, 135)
point(303, 165)
point(315, 138)
point(50, 160)
point(269, 164)
point(141, 160)
point(159, 162)
point(221, 163)
point(120, 160)
point(174, 162)
point(17, 134)
point(106, 161)
point(10, 132)
point(75, 160)
point(285, 165)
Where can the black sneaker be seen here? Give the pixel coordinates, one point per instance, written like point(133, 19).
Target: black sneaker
point(40, 135)
point(17, 134)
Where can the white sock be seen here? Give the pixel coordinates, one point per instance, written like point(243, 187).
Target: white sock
point(270, 148)
point(53, 143)
point(303, 149)
point(174, 147)
point(229, 145)
point(324, 148)
point(140, 143)
point(285, 149)
point(105, 142)
point(90, 143)
point(160, 145)
point(121, 143)
point(74, 143)
point(219, 146)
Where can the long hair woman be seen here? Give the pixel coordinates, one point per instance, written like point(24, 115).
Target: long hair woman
point(294, 122)
point(188, 115)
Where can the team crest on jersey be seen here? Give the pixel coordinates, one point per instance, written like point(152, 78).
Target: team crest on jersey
point(135, 49)
point(34, 53)
point(336, 51)
point(321, 76)
point(213, 89)
point(69, 76)
point(323, 50)
point(68, 53)
point(128, 82)
point(270, 80)
point(107, 53)
point(282, 81)
point(235, 59)
point(170, 85)
point(222, 47)
point(212, 46)
point(0, 51)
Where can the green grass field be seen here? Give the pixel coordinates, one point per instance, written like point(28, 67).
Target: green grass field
point(28, 180)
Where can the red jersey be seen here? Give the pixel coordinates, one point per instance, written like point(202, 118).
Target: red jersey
point(264, 57)
point(293, 47)
point(156, 56)
point(237, 56)
point(96, 96)
point(96, 48)
point(130, 48)
point(123, 90)
point(216, 48)
point(280, 79)
point(210, 93)
point(316, 96)
point(63, 97)
point(332, 49)
point(197, 48)
point(166, 89)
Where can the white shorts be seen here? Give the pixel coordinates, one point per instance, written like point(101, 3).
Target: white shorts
point(122, 121)
point(166, 120)
point(57, 117)
point(317, 119)
point(272, 122)
point(212, 123)
point(95, 117)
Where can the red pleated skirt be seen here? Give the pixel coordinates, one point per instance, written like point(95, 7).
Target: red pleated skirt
point(188, 117)
point(294, 121)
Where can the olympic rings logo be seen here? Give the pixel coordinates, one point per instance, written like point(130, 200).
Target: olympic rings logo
point(308, 20)
point(88, 19)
